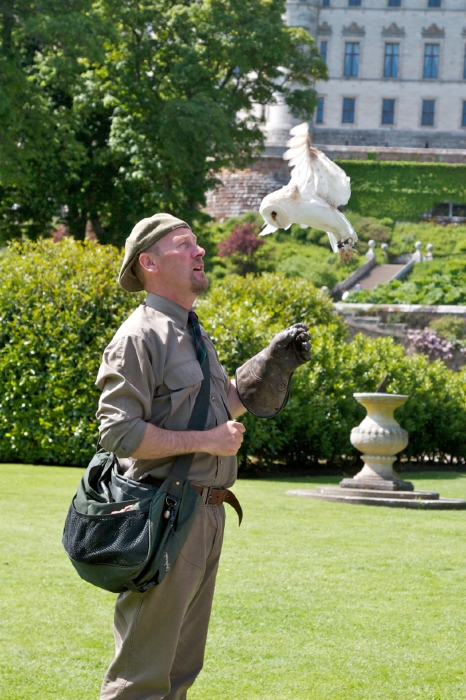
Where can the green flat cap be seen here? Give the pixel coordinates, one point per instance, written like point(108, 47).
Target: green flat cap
point(144, 234)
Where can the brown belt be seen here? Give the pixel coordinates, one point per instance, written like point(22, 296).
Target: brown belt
point(211, 495)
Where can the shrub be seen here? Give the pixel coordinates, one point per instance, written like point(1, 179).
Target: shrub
point(60, 305)
point(451, 328)
point(430, 344)
point(243, 247)
point(301, 266)
point(316, 424)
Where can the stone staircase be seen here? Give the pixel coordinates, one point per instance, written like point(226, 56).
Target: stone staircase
point(379, 275)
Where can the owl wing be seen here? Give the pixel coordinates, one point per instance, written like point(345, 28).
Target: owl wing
point(314, 173)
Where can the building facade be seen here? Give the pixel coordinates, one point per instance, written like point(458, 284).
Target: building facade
point(397, 74)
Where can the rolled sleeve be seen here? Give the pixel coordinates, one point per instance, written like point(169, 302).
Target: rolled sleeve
point(126, 380)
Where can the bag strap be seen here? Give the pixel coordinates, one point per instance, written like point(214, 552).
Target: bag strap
point(197, 421)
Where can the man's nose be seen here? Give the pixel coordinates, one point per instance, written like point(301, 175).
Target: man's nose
point(200, 252)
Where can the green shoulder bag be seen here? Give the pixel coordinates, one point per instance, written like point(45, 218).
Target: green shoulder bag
point(132, 549)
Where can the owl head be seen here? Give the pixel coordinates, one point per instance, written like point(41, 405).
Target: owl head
point(274, 214)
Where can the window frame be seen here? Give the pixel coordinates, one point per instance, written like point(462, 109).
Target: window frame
point(351, 111)
point(425, 112)
point(390, 112)
point(320, 110)
point(391, 58)
point(431, 63)
point(324, 54)
point(351, 59)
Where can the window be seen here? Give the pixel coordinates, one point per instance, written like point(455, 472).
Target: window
point(388, 111)
point(463, 118)
point(354, 3)
point(428, 112)
point(390, 66)
point(320, 110)
point(394, 3)
point(323, 50)
point(431, 53)
point(351, 59)
point(435, 3)
point(325, 3)
point(464, 64)
point(348, 110)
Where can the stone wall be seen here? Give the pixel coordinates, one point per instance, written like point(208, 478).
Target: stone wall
point(242, 191)
point(394, 139)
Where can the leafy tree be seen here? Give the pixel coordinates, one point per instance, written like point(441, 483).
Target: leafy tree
point(41, 45)
point(121, 109)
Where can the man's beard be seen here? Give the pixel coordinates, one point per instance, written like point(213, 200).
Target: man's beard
point(198, 286)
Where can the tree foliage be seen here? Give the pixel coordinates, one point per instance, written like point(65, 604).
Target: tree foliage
point(110, 111)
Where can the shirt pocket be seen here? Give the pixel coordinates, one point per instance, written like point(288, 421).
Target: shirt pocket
point(183, 382)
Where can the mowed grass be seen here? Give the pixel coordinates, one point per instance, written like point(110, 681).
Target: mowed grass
point(315, 600)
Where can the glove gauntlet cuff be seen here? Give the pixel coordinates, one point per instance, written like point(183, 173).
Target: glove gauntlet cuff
point(263, 385)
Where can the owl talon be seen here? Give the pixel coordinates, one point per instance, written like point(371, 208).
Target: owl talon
point(345, 250)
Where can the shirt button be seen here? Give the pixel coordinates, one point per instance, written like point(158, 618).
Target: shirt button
point(212, 398)
point(221, 461)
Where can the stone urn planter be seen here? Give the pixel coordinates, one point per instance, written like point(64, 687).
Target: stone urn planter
point(380, 438)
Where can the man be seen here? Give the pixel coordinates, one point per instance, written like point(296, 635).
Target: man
point(149, 378)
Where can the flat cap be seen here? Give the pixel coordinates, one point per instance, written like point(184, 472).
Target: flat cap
point(144, 234)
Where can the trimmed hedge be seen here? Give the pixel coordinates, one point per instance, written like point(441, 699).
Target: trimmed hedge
point(402, 190)
point(60, 305)
point(242, 316)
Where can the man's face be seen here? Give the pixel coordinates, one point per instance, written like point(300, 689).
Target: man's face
point(180, 263)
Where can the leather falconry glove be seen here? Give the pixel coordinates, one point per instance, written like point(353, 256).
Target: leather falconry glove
point(263, 382)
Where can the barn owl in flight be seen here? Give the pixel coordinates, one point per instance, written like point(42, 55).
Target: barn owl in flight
point(316, 188)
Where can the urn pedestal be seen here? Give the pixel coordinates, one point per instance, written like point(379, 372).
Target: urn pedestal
point(380, 438)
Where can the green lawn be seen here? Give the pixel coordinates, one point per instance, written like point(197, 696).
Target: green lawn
point(315, 600)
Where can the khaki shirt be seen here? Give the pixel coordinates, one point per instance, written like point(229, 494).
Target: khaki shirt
point(150, 374)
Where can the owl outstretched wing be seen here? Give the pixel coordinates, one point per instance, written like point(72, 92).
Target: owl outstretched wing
point(314, 173)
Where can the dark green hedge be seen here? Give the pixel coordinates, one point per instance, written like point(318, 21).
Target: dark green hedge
point(60, 305)
point(402, 190)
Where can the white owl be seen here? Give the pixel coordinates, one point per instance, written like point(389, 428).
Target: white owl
point(317, 187)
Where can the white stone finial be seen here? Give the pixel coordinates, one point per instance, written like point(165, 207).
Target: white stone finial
point(417, 255)
point(429, 255)
point(370, 253)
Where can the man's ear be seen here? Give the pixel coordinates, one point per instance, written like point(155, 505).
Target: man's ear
point(147, 263)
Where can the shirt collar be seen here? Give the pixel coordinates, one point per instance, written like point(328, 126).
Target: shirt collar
point(167, 307)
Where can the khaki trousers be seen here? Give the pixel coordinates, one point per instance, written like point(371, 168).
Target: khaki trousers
point(160, 635)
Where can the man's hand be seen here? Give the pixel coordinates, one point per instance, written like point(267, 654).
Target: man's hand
point(224, 440)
